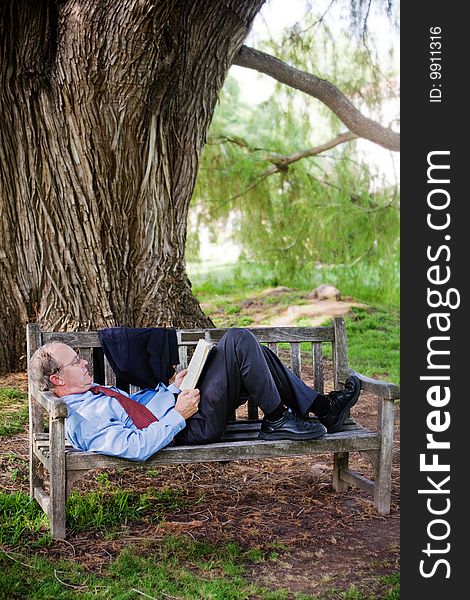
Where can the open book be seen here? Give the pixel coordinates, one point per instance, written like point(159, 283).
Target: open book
point(196, 364)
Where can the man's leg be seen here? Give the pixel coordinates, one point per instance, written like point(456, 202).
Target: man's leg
point(233, 369)
point(331, 409)
point(237, 367)
point(294, 392)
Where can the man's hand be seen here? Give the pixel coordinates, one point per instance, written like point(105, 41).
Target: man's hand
point(187, 403)
point(179, 378)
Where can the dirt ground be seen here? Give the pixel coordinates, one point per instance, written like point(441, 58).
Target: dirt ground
point(323, 539)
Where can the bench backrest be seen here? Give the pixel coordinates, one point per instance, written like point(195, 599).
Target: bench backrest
point(276, 338)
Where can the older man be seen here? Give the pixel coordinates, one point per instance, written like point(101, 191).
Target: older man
point(109, 421)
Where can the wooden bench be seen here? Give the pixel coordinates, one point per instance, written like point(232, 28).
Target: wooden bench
point(53, 459)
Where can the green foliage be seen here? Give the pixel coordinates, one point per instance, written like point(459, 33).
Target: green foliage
point(300, 220)
point(330, 210)
point(344, 51)
point(13, 411)
point(296, 235)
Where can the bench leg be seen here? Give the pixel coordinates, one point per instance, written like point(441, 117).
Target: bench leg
point(36, 425)
point(36, 474)
point(340, 461)
point(382, 491)
point(383, 476)
point(57, 479)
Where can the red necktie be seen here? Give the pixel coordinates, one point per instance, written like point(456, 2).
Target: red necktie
point(141, 416)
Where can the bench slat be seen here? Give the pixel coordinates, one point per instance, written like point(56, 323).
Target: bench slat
point(245, 441)
point(76, 339)
point(273, 347)
point(238, 450)
point(295, 358)
point(183, 354)
point(109, 375)
point(318, 376)
point(90, 339)
point(87, 354)
point(264, 334)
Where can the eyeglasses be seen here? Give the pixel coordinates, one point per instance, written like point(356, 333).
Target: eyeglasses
point(73, 363)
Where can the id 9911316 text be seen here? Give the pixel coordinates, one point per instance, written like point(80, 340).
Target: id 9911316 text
point(435, 64)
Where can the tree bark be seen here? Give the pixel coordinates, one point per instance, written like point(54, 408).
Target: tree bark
point(105, 108)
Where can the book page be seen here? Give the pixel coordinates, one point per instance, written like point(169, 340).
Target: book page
point(196, 364)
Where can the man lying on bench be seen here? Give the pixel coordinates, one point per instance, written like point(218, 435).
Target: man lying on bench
point(109, 421)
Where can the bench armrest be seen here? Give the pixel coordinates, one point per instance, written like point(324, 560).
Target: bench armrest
point(53, 405)
point(383, 389)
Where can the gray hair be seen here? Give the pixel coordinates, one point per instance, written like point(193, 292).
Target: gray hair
point(42, 365)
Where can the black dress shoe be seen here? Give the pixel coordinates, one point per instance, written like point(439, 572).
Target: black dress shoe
point(340, 402)
point(291, 427)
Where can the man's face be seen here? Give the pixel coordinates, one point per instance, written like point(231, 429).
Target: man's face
point(73, 376)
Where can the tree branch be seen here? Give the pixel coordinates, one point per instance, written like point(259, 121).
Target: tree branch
point(281, 163)
point(324, 91)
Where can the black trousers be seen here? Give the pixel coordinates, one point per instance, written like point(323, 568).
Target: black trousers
point(239, 368)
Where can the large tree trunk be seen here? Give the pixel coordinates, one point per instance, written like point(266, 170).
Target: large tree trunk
point(105, 108)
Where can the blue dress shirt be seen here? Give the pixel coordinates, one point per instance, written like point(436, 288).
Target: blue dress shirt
point(98, 423)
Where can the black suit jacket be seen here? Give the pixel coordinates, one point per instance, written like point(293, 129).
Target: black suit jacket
point(141, 356)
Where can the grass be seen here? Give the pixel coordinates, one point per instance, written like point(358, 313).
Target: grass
point(20, 517)
point(106, 510)
point(373, 339)
point(369, 283)
point(13, 411)
point(175, 567)
point(374, 342)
